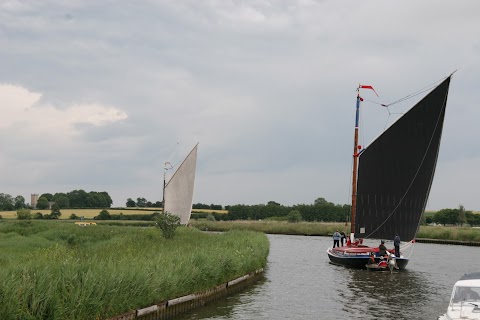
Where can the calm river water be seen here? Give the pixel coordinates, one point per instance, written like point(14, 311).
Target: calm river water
point(301, 283)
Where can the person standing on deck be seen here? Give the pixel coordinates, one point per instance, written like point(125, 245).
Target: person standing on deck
point(342, 237)
point(336, 239)
point(396, 243)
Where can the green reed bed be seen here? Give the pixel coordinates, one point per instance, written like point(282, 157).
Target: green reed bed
point(54, 270)
point(450, 233)
point(274, 227)
point(327, 229)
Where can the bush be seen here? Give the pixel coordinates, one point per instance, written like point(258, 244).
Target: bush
point(103, 215)
point(73, 216)
point(294, 216)
point(210, 217)
point(37, 215)
point(167, 223)
point(24, 214)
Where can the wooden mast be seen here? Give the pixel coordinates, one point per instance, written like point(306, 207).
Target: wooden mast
point(164, 184)
point(355, 169)
point(356, 153)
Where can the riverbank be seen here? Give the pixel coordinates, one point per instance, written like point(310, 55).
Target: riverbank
point(57, 270)
point(455, 234)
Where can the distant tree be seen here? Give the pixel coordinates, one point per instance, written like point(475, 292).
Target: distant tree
point(48, 196)
point(157, 204)
point(42, 203)
point(20, 202)
point(446, 216)
point(461, 215)
point(77, 198)
point(428, 220)
point(294, 216)
point(273, 203)
point(61, 199)
point(130, 203)
point(472, 218)
point(7, 203)
point(103, 215)
point(24, 214)
point(73, 216)
point(106, 200)
point(322, 201)
point(141, 202)
point(54, 212)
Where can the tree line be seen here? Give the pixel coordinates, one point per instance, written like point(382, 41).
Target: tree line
point(320, 210)
point(72, 199)
point(457, 217)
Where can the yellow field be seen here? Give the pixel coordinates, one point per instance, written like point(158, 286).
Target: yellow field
point(90, 213)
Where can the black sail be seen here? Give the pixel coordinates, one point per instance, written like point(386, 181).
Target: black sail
point(396, 171)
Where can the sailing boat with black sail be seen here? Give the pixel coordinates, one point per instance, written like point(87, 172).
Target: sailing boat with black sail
point(392, 178)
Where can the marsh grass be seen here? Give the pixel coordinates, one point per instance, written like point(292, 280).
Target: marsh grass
point(274, 227)
point(450, 233)
point(327, 229)
point(55, 270)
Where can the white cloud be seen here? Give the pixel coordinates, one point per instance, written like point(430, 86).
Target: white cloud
point(23, 111)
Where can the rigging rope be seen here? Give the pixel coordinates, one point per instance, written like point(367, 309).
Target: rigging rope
point(411, 95)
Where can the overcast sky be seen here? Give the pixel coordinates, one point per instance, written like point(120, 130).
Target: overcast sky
point(98, 95)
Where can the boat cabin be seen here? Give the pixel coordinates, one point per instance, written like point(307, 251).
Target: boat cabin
point(465, 299)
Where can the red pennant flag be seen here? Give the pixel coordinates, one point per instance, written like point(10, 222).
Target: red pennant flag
point(368, 87)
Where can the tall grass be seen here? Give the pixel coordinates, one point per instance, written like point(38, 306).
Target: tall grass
point(55, 270)
point(450, 233)
point(327, 229)
point(274, 227)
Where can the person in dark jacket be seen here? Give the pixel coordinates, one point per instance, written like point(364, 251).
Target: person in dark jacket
point(396, 243)
point(342, 237)
point(382, 250)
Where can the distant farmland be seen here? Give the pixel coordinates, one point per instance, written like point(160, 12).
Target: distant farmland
point(90, 213)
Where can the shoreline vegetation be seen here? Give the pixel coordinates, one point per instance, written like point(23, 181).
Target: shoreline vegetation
point(455, 233)
point(58, 270)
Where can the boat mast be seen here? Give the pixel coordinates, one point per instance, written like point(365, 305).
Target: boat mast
point(355, 169)
point(164, 184)
point(356, 153)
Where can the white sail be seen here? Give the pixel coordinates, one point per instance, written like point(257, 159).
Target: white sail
point(179, 190)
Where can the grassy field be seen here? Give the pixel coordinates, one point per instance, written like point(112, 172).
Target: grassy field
point(90, 213)
point(57, 270)
point(327, 229)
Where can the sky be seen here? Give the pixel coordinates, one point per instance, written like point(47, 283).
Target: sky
point(98, 95)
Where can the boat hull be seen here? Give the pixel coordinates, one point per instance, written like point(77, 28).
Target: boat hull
point(359, 260)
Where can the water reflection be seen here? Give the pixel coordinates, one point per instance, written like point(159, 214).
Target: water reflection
point(374, 294)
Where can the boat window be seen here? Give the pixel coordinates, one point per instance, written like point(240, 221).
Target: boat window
point(466, 294)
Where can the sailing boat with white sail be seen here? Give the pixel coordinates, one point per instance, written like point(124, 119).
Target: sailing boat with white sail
point(395, 172)
point(178, 192)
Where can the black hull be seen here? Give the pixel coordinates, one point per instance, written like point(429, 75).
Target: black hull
point(360, 261)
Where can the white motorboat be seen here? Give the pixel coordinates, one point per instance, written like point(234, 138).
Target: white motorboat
point(465, 299)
